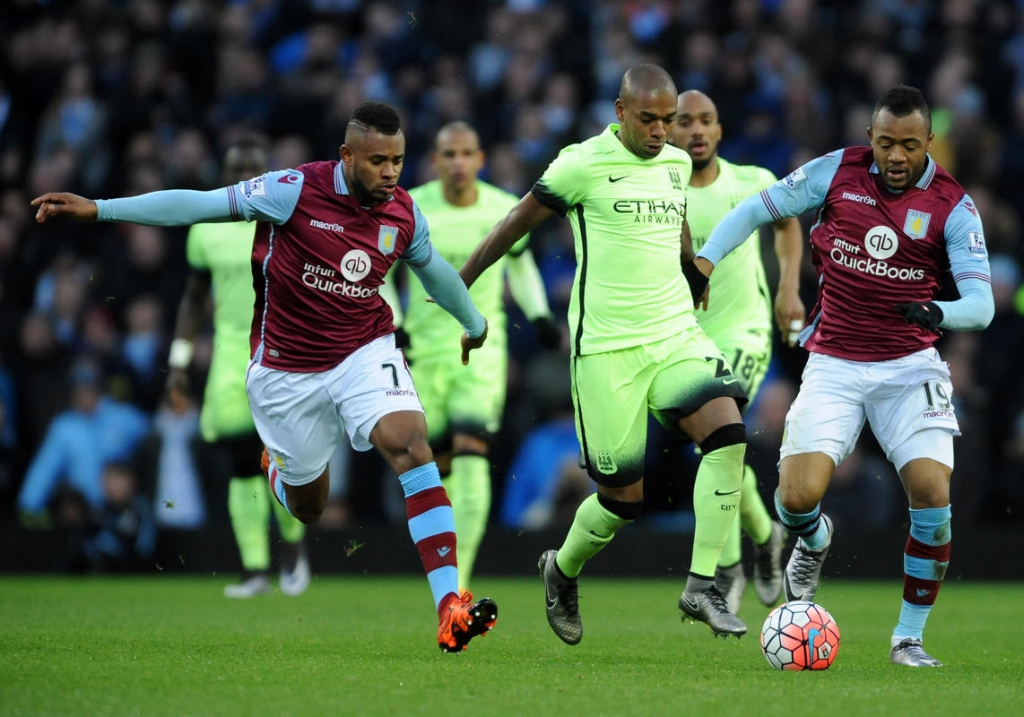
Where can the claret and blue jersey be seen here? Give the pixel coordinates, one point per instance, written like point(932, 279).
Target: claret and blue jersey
point(873, 249)
point(319, 258)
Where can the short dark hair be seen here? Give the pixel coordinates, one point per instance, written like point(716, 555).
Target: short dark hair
point(377, 116)
point(901, 101)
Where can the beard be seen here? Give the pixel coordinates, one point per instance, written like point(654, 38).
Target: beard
point(699, 164)
point(363, 194)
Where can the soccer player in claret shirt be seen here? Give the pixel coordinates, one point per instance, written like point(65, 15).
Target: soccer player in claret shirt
point(738, 318)
point(220, 257)
point(635, 341)
point(890, 224)
point(464, 404)
point(323, 351)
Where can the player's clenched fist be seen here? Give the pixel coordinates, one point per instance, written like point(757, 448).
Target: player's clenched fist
point(64, 204)
point(468, 344)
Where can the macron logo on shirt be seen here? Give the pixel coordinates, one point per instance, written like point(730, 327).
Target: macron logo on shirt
point(860, 198)
point(327, 226)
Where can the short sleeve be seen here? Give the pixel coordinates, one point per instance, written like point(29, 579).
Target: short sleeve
point(562, 185)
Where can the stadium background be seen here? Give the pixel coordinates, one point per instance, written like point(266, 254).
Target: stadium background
point(118, 97)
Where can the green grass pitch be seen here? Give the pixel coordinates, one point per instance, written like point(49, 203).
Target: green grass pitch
point(171, 645)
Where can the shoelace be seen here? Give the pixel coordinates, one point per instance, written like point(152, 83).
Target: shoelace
point(911, 646)
point(717, 600)
point(806, 561)
point(569, 596)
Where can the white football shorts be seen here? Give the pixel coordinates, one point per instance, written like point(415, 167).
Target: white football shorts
point(301, 416)
point(908, 402)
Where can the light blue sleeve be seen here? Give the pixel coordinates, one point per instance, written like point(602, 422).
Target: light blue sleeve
point(270, 197)
point(47, 468)
point(169, 208)
point(446, 287)
point(420, 249)
point(440, 279)
point(968, 262)
point(802, 190)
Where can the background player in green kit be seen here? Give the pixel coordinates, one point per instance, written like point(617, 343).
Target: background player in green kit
point(464, 404)
point(738, 317)
point(220, 256)
point(635, 341)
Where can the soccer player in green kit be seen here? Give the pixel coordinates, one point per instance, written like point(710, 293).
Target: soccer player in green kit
point(738, 318)
point(635, 341)
point(220, 256)
point(464, 404)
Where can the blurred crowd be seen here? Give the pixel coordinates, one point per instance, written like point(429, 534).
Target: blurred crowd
point(118, 97)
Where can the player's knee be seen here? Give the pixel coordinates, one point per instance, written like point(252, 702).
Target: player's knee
point(798, 497)
point(307, 502)
point(308, 516)
point(307, 510)
point(729, 435)
point(627, 510)
point(403, 444)
point(467, 445)
point(929, 496)
point(411, 451)
point(419, 451)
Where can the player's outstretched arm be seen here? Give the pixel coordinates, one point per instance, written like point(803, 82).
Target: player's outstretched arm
point(64, 204)
point(525, 216)
point(165, 208)
point(790, 312)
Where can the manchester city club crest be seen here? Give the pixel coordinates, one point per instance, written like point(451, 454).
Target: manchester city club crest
point(916, 225)
point(386, 239)
point(675, 179)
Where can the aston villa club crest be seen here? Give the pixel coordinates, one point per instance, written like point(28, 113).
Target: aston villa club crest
point(916, 225)
point(386, 239)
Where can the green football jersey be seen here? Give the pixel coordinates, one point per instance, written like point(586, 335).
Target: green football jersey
point(627, 215)
point(739, 299)
point(225, 250)
point(455, 232)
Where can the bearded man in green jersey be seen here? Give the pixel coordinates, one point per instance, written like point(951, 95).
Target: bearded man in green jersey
point(636, 345)
point(738, 318)
point(464, 404)
point(220, 255)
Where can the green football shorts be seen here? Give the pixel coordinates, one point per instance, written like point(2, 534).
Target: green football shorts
point(614, 391)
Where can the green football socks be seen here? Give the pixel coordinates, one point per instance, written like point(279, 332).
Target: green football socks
point(754, 516)
point(593, 528)
point(249, 508)
point(716, 499)
point(469, 490)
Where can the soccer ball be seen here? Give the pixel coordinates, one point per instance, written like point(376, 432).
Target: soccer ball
point(800, 635)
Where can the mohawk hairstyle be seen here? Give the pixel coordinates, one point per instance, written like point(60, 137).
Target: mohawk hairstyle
point(376, 116)
point(901, 101)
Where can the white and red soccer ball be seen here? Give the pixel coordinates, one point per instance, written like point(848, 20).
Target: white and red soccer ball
point(800, 635)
